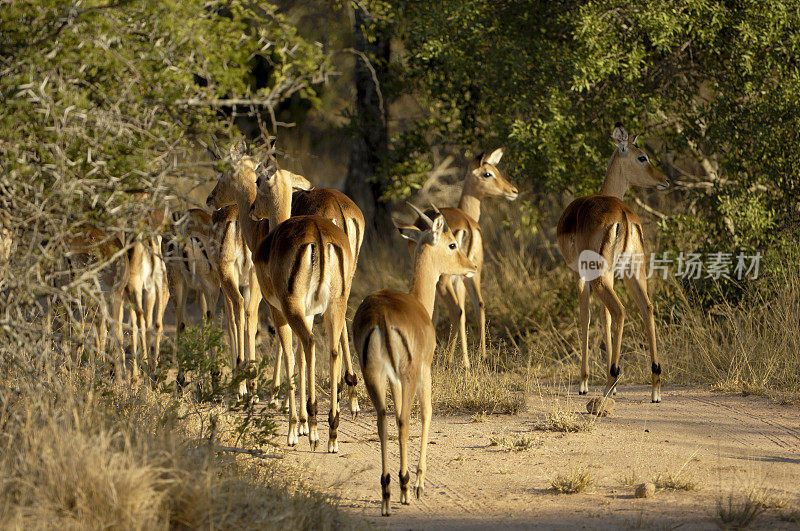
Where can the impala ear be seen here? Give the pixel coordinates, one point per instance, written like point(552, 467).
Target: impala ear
point(634, 140)
point(410, 233)
point(495, 157)
point(300, 183)
point(437, 229)
point(620, 136)
point(265, 172)
point(478, 161)
point(238, 149)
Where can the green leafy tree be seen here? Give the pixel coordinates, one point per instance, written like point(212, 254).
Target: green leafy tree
point(105, 105)
point(713, 86)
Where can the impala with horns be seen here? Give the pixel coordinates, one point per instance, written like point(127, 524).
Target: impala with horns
point(483, 180)
point(395, 340)
point(594, 233)
point(304, 267)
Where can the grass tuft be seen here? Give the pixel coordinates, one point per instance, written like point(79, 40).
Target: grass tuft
point(514, 444)
point(564, 422)
point(574, 482)
point(674, 482)
point(738, 512)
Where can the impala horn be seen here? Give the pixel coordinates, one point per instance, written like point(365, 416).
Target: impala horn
point(436, 209)
point(428, 221)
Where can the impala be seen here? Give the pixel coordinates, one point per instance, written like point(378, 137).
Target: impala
point(143, 284)
point(483, 180)
point(604, 225)
point(188, 255)
point(304, 267)
point(342, 211)
point(306, 200)
point(395, 339)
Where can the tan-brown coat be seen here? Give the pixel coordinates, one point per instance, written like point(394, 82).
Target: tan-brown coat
point(604, 225)
point(395, 341)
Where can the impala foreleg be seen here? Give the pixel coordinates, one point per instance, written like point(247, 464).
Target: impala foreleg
point(638, 288)
point(426, 411)
point(350, 378)
point(474, 287)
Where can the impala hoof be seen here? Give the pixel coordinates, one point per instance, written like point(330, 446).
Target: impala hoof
point(419, 491)
point(385, 509)
point(313, 438)
point(303, 430)
point(333, 447)
point(292, 440)
point(656, 396)
point(354, 407)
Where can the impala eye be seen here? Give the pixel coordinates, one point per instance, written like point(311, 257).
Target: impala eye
point(453, 246)
point(642, 158)
point(487, 174)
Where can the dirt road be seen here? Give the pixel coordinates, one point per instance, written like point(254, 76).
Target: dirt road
point(722, 444)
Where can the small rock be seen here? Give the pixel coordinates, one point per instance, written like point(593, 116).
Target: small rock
point(645, 490)
point(600, 406)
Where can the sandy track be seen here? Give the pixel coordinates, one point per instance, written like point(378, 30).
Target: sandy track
point(724, 443)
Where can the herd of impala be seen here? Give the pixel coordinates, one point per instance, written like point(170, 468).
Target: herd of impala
point(274, 237)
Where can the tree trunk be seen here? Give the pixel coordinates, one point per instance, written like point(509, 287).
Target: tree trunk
point(364, 183)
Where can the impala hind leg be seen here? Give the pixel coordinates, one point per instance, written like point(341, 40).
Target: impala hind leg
point(375, 382)
point(605, 291)
point(637, 285)
point(403, 395)
point(583, 328)
point(606, 318)
point(302, 328)
point(305, 404)
point(334, 323)
point(285, 339)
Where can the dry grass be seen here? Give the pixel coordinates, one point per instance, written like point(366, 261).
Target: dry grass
point(518, 443)
point(738, 512)
point(565, 422)
point(677, 481)
point(478, 417)
point(79, 454)
point(573, 482)
point(631, 480)
point(483, 389)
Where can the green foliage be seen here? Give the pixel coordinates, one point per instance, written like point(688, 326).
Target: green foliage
point(204, 368)
point(714, 84)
